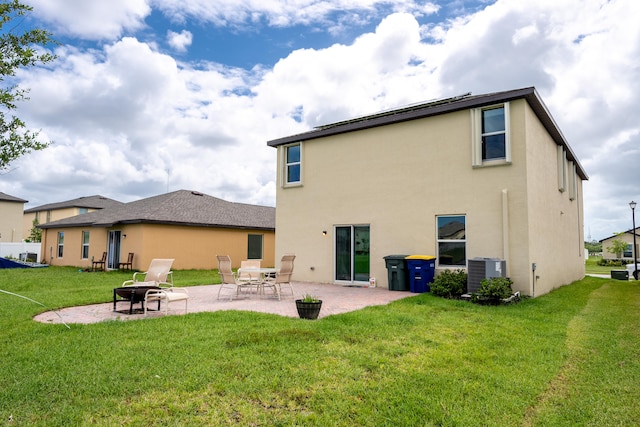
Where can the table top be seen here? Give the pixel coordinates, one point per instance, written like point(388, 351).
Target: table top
point(257, 270)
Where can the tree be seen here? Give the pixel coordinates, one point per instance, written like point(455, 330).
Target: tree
point(35, 234)
point(617, 247)
point(593, 246)
point(18, 49)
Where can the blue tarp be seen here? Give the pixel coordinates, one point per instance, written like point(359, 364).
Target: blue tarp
point(9, 263)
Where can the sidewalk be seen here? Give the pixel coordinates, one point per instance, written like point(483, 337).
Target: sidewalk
point(335, 299)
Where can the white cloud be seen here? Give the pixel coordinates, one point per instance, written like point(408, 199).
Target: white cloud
point(124, 114)
point(93, 20)
point(179, 41)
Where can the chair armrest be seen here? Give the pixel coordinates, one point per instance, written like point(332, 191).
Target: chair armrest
point(128, 283)
point(139, 273)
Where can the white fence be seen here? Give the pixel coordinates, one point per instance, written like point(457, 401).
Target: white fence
point(13, 250)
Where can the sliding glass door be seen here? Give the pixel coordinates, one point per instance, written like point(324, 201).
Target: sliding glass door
point(352, 254)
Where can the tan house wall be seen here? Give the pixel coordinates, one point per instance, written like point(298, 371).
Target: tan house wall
point(625, 237)
point(54, 215)
point(191, 247)
point(398, 178)
point(555, 228)
point(11, 223)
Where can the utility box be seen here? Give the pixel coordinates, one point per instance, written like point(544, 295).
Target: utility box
point(479, 269)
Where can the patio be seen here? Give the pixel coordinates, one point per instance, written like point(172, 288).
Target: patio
point(335, 299)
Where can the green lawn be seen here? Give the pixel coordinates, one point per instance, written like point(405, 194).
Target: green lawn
point(592, 267)
point(564, 359)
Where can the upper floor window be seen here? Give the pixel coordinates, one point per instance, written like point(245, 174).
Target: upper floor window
point(491, 142)
point(292, 164)
point(82, 210)
point(452, 240)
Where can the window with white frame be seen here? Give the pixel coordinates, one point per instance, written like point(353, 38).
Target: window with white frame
point(60, 243)
point(85, 245)
point(452, 240)
point(491, 140)
point(293, 164)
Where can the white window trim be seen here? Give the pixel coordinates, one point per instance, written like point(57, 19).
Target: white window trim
point(285, 176)
point(562, 170)
point(573, 182)
point(476, 137)
point(438, 241)
point(85, 245)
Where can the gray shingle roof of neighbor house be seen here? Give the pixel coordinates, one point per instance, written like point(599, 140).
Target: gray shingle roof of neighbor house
point(182, 207)
point(442, 106)
point(92, 202)
point(7, 198)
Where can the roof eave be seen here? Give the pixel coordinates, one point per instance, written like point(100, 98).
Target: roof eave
point(529, 93)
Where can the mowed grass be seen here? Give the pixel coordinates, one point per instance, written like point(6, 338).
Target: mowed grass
point(567, 358)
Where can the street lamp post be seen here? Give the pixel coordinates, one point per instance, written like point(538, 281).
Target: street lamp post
point(632, 205)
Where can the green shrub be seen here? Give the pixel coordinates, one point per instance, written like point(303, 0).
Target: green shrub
point(449, 284)
point(611, 262)
point(494, 290)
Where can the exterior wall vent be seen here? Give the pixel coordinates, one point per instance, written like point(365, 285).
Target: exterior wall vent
point(479, 269)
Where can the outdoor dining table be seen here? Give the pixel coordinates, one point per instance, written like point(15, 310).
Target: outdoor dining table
point(258, 276)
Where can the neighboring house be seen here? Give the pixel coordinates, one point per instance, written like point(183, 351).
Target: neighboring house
point(55, 211)
point(471, 176)
point(11, 218)
point(188, 226)
point(626, 237)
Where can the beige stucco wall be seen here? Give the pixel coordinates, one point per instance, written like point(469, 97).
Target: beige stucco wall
point(11, 221)
point(54, 215)
point(191, 247)
point(556, 229)
point(399, 177)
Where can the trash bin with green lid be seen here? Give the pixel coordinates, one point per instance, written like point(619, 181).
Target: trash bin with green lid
point(422, 269)
point(397, 272)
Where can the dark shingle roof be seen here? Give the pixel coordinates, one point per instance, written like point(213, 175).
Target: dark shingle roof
point(181, 207)
point(7, 198)
point(92, 202)
point(442, 106)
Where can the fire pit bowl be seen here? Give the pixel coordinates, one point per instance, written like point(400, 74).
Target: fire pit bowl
point(134, 294)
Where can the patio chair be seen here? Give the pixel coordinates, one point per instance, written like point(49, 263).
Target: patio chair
point(228, 277)
point(158, 274)
point(247, 277)
point(127, 265)
point(102, 262)
point(283, 276)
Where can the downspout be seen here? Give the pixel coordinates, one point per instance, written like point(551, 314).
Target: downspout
point(505, 228)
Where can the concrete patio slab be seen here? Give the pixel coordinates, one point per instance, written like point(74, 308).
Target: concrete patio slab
point(335, 299)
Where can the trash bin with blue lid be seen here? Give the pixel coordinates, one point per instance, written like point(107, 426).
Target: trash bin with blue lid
point(422, 269)
point(397, 272)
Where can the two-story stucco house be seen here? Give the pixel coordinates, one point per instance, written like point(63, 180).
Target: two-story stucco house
point(11, 208)
point(44, 214)
point(486, 176)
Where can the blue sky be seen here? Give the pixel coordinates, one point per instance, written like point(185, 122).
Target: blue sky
point(154, 95)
